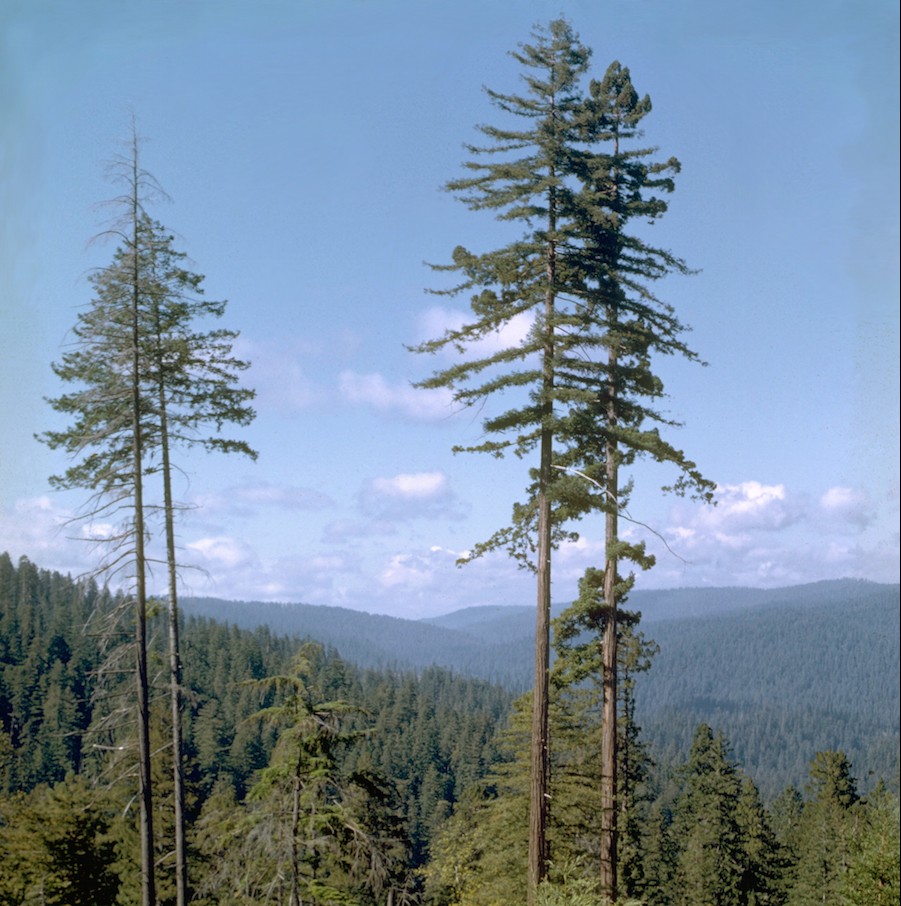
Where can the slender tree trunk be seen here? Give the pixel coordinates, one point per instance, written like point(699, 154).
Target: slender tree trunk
point(148, 883)
point(540, 760)
point(538, 802)
point(608, 840)
point(175, 672)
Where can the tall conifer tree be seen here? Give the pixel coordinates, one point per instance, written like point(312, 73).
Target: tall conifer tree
point(112, 417)
point(727, 853)
point(151, 379)
point(520, 175)
point(825, 830)
point(192, 378)
point(617, 328)
point(586, 279)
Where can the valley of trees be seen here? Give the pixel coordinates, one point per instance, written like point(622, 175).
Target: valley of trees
point(829, 648)
point(414, 784)
point(149, 756)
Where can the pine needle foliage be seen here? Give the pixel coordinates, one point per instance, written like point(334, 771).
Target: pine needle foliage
point(149, 378)
point(579, 389)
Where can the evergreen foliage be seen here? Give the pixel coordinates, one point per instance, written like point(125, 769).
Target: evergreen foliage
point(425, 774)
point(148, 380)
point(286, 774)
point(580, 387)
point(56, 846)
point(727, 854)
point(823, 685)
point(427, 739)
point(520, 175)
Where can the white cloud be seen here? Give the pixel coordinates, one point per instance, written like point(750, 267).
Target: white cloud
point(48, 535)
point(847, 505)
point(763, 534)
point(728, 532)
point(574, 557)
point(436, 321)
point(405, 570)
point(223, 552)
point(427, 581)
point(244, 500)
point(231, 568)
point(401, 398)
point(752, 505)
point(412, 486)
point(412, 495)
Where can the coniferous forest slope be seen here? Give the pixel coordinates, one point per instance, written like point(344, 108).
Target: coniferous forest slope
point(419, 780)
point(782, 672)
point(400, 747)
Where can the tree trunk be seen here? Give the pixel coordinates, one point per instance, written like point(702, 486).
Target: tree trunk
point(608, 841)
point(539, 796)
point(538, 801)
point(175, 672)
point(295, 833)
point(148, 882)
point(148, 885)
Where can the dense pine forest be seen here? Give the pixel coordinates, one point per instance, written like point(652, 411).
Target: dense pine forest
point(614, 750)
point(828, 648)
point(412, 784)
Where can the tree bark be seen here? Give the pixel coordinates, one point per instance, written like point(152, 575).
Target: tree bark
point(539, 796)
point(175, 672)
point(608, 838)
point(148, 884)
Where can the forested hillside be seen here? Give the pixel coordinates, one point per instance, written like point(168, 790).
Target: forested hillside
point(783, 672)
point(414, 784)
point(802, 673)
point(65, 696)
point(374, 640)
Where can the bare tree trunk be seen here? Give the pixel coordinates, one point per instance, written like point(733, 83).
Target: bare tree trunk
point(539, 796)
point(175, 671)
point(148, 881)
point(608, 839)
point(148, 884)
point(295, 834)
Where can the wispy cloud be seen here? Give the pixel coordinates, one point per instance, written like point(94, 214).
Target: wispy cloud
point(760, 535)
point(410, 495)
point(847, 505)
point(247, 499)
point(427, 581)
point(406, 571)
point(38, 527)
point(412, 486)
point(230, 568)
point(763, 534)
point(398, 398)
point(223, 553)
point(436, 321)
point(280, 374)
point(751, 505)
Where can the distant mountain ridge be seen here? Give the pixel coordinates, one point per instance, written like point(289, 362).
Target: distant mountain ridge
point(379, 641)
point(783, 672)
point(478, 640)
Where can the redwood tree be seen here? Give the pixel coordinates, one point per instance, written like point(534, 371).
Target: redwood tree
point(618, 329)
point(586, 278)
point(520, 175)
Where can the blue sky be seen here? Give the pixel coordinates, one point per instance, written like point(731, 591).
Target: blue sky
point(304, 146)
